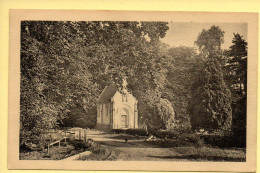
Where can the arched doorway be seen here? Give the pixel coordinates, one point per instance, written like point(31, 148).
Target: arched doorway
point(124, 118)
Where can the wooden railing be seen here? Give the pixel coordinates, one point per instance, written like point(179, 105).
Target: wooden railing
point(75, 134)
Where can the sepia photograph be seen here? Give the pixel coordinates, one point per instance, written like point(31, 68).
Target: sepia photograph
point(133, 90)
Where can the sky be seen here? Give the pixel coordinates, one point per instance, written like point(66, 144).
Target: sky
point(185, 34)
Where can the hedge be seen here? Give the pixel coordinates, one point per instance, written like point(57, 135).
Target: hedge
point(139, 132)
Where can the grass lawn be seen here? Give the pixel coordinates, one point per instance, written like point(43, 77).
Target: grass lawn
point(206, 153)
point(175, 154)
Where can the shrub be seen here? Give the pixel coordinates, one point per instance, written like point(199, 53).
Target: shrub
point(181, 138)
point(192, 138)
point(117, 131)
point(164, 134)
point(139, 132)
point(223, 141)
point(78, 144)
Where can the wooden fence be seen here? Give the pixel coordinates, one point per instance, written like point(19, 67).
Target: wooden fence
point(73, 134)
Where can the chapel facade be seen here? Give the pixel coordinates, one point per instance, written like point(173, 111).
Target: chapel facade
point(116, 110)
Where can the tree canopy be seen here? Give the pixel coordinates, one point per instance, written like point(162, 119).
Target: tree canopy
point(65, 65)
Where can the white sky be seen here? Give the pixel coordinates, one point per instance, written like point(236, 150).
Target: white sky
point(185, 34)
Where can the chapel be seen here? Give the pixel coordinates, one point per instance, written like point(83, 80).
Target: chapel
point(116, 110)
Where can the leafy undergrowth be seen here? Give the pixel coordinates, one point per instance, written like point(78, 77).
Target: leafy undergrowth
point(56, 153)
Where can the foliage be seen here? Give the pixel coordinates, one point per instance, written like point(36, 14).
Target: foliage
point(183, 66)
point(236, 75)
point(139, 132)
point(184, 139)
point(237, 65)
point(156, 112)
point(65, 66)
point(166, 112)
point(53, 75)
point(77, 117)
point(210, 104)
point(164, 134)
point(210, 40)
point(223, 141)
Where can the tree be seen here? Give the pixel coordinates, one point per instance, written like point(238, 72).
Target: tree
point(65, 66)
point(237, 65)
point(166, 112)
point(125, 51)
point(209, 41)
point(183, 66)
point(53, 76)
point(210, 103)
point(156, 112)
point(236, 70)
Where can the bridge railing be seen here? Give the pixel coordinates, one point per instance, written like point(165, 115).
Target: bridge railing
point(72, 134)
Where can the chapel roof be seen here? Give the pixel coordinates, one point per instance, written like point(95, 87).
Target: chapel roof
point(107, 93)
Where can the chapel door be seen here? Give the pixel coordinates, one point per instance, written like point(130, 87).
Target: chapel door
point(123, 121)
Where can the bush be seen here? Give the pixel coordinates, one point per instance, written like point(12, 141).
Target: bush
point(139, 132)
point(164, 134)
point(79, 144)
point(117, 131)
point(222, 141)
point(192, 138)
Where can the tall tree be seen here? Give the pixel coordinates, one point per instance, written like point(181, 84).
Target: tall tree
point(236, 74)
point(210, 104)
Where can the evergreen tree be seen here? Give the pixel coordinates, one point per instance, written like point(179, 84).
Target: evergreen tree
point(237, 65)
point(210, 104)
point(236, 70)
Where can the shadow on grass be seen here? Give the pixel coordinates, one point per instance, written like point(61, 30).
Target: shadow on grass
point(146, 144)
point(129, 144)
point(195, 157)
